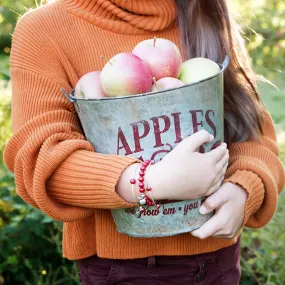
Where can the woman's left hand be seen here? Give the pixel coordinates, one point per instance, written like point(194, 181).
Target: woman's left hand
point(229, 202)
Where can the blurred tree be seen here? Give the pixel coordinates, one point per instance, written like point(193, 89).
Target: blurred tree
point(263, 24)
point(9, 13)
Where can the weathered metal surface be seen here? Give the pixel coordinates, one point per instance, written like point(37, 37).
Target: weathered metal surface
point(148, 126)
point(171, 219)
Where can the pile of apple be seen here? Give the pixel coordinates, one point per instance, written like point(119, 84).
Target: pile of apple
point(154, 65)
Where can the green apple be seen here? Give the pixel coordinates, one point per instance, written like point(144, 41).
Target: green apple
point(197, 69)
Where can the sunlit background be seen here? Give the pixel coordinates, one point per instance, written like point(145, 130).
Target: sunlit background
point(30, 243)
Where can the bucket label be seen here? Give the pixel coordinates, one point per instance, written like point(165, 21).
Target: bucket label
point(155, 130)
point(167, 209)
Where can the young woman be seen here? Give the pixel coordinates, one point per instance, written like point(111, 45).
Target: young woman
point(58, 171)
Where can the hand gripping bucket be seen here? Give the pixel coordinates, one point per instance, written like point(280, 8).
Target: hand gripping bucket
point(148, 126)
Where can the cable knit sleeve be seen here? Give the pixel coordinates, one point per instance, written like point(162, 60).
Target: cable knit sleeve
point(255, 166)
point(55, 168)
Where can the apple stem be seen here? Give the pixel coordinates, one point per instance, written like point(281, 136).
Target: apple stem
point(108, 61)
point(154, 41)
point(155, 83)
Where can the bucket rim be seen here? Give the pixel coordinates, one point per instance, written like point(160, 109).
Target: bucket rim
point(222, 66)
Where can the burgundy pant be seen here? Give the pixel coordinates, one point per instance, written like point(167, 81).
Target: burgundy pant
point(221, 267)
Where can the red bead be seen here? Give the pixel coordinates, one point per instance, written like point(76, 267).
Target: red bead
point(141, 185)
point(142, 168)
point(141, 190)
point(141, 173)
point(141, 179)
point(145, 163)
point(133, 181)
point(148, 161)
point(151, 203)
point(157, 206)
point(148, 188)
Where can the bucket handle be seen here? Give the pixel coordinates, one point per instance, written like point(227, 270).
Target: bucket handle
point(70, 97)
point(226, 62)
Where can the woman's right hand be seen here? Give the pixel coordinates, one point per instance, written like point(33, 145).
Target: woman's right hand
point(185, 174)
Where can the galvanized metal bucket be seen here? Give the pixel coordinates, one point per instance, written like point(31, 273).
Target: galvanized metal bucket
point(148, 126)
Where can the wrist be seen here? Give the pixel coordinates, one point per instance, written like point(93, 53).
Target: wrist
point(237, 188)
point(123, 186)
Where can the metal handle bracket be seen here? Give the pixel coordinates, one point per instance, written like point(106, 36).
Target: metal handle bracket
point(70, 98)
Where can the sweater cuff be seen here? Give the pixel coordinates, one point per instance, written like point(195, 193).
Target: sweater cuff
point(88, 179)
point(254, 187)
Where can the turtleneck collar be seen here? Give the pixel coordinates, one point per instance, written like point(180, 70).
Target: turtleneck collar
point(125, 16)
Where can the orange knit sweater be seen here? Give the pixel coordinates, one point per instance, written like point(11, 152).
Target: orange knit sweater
point(57, 170)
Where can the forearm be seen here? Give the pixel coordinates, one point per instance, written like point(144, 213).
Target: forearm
point(124, 188)
point(88, 179)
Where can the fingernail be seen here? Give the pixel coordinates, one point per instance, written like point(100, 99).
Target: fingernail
point(212, 137)
point(203, 210)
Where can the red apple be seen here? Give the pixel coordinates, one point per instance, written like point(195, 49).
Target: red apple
point(126, 74)
point(162, 56)
point(166, 83)
point(89, 86)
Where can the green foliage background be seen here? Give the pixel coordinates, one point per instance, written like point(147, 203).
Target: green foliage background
point(30, 243)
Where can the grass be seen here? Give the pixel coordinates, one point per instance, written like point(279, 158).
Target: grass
point(274, 100)
point(263, 252)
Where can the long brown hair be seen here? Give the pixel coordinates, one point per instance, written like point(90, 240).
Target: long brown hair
point(209, 30)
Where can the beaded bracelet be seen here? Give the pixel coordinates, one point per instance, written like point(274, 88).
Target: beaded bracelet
point(148, 188)
point(143, 199)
